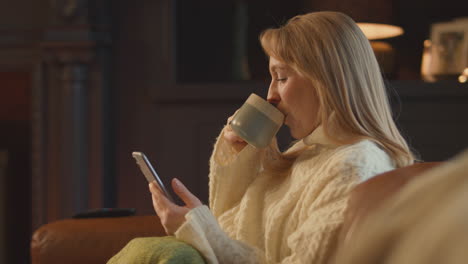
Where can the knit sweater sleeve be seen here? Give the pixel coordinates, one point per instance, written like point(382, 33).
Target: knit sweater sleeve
point(227, 169)
point(312, 242)
point(203, 232)
point(322, 203)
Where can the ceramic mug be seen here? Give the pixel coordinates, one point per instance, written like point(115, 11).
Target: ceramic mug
point(257, 121)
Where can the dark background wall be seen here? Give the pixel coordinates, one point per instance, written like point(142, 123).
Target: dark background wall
point(81, 89)
point(21, 23)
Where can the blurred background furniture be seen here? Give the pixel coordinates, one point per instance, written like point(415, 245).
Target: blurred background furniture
point(94, 241)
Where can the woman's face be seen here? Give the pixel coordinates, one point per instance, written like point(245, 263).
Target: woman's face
point(295, 97)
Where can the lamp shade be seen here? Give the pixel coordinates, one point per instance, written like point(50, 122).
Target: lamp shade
point(380, 31)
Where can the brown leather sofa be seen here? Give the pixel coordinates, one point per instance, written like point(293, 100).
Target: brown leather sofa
point(94, 241)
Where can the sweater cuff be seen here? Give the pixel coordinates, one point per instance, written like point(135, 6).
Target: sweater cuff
point(212, 239)
point(204, 218)
point(193, 231)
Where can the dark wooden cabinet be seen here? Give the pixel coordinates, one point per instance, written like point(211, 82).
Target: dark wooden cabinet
point(432, 116)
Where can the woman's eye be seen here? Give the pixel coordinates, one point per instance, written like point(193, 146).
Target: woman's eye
point(281, 79)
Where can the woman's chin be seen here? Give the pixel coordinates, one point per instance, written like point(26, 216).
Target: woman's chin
point(294, 133)
point(298, 133)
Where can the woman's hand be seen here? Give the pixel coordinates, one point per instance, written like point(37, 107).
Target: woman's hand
point(172, 216)
point(232, 138)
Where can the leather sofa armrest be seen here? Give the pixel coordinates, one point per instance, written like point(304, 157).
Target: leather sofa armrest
point(89, 241)
point(369, 195)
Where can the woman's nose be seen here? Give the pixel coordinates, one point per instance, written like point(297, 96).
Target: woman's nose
point(273, 96)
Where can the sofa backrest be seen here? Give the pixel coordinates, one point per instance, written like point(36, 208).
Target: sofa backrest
point(369, 195)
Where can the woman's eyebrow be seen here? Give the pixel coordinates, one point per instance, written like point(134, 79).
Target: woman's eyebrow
point(277, 67)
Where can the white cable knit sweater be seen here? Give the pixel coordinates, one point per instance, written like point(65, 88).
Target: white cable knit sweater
point(260, 218)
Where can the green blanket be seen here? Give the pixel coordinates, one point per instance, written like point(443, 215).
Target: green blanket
point(157, 250)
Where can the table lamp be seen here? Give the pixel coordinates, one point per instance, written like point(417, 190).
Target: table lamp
point(384, 52)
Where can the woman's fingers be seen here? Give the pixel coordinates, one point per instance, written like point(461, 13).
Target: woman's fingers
point(160, 201)
point(154, 189)
point(231, 117)
point(235, 141)
point(171, 215)
point(230, 136)
point(189, 199)
point(229, 120)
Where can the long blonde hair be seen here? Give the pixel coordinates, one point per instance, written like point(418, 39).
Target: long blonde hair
point(331, 51)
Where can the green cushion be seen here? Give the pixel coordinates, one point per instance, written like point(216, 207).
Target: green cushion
point(157, 250)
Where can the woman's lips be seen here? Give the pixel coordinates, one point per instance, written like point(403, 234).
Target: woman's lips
point(284, 113)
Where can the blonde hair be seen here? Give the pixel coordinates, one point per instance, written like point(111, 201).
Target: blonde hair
point(331, 51)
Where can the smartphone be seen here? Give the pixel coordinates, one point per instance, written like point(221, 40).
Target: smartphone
point(149, 172)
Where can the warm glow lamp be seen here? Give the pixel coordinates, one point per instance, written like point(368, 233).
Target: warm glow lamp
point(375, 31)
point(384, 52)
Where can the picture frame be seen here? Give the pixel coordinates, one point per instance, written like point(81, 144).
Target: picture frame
point(449, 49)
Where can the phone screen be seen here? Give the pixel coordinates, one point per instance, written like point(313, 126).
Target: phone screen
point(150, 173)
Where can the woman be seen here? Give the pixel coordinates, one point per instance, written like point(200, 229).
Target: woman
point(272, 207)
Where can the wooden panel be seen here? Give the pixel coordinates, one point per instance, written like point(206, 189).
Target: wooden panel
point(15, 95)
point(15, 138)
point(377, 11)
point(19, 31)
point(3, 166)
point(73, 141)
point(15, 89)
point(71, 133)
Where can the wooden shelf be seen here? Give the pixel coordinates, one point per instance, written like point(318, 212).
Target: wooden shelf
point(417, 88)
